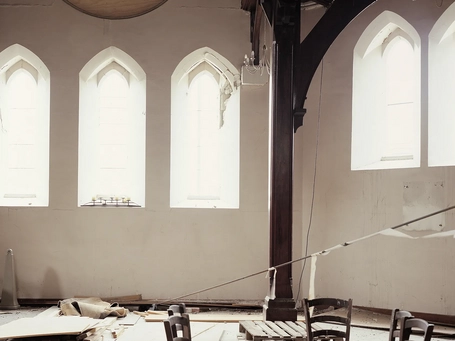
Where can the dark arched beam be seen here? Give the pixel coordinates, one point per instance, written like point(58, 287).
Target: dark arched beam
point(313, 48)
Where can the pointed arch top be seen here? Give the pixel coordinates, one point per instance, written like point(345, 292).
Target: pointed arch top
point(108, 56)
point(218, 62)
point(383, 27)
point(444, 26)
point(13, 54)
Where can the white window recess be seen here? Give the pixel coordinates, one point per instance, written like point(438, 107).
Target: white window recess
point(112, 131)
point(441, 89)
point(205, 132)
point(24, 128)
point(386, 96)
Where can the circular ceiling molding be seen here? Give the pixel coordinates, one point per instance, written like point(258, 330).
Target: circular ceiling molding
point(115, 9)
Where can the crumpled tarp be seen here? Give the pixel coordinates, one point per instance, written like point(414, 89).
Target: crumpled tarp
point(92, 307)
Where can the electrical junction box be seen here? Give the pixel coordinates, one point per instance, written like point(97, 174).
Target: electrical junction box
point(254, 75)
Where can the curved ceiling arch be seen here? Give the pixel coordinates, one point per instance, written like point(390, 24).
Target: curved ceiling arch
point(115, 9)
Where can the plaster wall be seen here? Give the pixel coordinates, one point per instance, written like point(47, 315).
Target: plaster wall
point(382, 272)
point(62, 250)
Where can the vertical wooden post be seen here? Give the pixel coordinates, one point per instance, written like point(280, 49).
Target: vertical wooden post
point(285, 25)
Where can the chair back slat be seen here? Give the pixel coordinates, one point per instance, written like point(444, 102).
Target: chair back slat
point(408, 324)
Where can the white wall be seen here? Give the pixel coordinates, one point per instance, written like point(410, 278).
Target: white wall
point(63, 250)
point(382, 272)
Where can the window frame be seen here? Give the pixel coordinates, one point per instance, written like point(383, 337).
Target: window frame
point(91, 79)
point(369, 102)
point(228, 78)
point(13, 59)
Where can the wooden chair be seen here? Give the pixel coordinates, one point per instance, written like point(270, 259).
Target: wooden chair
point(408, 324)
point(322, 315)
point(177, 328)
point(176, 309)
point(397, 315)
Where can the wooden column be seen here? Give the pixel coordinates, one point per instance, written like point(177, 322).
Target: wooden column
point(286, 29)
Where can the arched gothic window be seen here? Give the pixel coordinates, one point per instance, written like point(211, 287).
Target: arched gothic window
point(112, 130)
point(205, 132)
point(441, 89)
point(386, 96)
point(24, 128)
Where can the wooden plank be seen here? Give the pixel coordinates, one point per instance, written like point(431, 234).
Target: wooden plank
point(277, 329)
point(127, 298)
point(253, 327)
point(296, 327)
point(289, 330)
point(204, 317)
point(271, 333)
point(102, 329)
point(252, 330)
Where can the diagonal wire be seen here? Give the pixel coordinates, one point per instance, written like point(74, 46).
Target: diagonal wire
point(322, 252)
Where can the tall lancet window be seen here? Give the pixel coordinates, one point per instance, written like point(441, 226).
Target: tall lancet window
point(203, 137)
point(205, 132)
point(386, 96)
point(24, 128)
point(112, 131)
point(441, 90)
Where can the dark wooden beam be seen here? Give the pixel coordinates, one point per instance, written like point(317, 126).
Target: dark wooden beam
point(256, 38)
point(268, 7)
point(325, 3)
point(286, 31)
point(315, 45)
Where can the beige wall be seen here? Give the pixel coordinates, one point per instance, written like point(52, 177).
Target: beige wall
point(63, 250)
point(384, 272)
point(160, 252)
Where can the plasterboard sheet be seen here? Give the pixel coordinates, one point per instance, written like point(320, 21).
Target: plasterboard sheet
point(45, 326)
point(128, 320)
point(421, 198)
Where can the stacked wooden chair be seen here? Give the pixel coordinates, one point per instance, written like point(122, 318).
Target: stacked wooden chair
point(322, 313)
point(395, 321)
point(177, 325)
point(403, 323)
point(408, 324)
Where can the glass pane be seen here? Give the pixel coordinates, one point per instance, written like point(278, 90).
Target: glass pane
point(400, 72)
point(113, 134)
point(400, 125)
point(21, 129)
point(400, 134)
point(203, 137)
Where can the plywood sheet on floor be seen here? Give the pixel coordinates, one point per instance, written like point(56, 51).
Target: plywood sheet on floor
point(46, 326)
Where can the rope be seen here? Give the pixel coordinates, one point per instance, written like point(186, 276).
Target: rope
point(322, 252)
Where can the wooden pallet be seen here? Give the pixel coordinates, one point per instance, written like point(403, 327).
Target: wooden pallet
point(268, 330)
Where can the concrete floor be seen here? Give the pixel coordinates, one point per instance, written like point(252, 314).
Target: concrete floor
point(374, 327)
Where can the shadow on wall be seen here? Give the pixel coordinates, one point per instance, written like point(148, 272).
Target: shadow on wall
point(51, 285)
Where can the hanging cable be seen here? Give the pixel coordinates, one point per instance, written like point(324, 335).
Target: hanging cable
point(314, 182)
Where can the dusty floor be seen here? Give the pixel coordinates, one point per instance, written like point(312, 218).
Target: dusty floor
point(365, 326)
point(11, 315)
